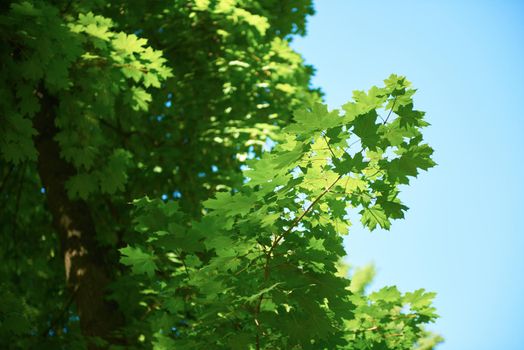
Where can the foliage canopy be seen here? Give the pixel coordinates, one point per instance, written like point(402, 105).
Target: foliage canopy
point(131, 157)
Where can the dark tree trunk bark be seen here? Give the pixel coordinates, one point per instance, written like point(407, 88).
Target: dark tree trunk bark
point(87, 276)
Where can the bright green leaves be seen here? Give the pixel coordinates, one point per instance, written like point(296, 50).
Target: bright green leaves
point(386, 295)
point(361, 278)
point(388, 318)
point(140, 99)
point(96, 26)
point(128, 44)
point(140, 262)
point(373, 99)
point(428, 341)
point(421, 302)
point(373, 216)
point(383, 124)
point(125, 52)
point(315, 118)
point(234, 14)
point(265, 256)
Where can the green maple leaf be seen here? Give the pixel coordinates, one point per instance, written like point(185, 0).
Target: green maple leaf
point(316, 244)
point(316, 118)
point(386, 294)
point(151, 79)
point(219, 243)
point(408, 116)
point(419, 299)
point(139, 261)
point(373, 99)
point(152, 55)
point(393, 208)
point(18, 152)
point(128, 43)
point(394, 133)
point(364, 126)
point(269, 219)
point(98, 32)
point(373, 216)
point(226, 203)
point(349, 164)
point(140, 99)
point(90, 19)
point(133, 70)
point(287, 159)
point(411, 160)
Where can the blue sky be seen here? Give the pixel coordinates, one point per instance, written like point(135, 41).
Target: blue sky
point(464, 234)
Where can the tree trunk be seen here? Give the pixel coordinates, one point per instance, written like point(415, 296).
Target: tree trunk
point(87, 276)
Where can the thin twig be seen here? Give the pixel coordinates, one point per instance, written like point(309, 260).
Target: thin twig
point(274, 244)
point(297, 220)
point(327, 143)
point(184, 264)
point(391, 110)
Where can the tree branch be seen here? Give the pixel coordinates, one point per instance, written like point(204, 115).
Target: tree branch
point(273, 246)
point(329, 147)
point(391, 110)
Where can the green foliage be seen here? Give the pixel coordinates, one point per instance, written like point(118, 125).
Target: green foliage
point(154, 107)
point(260, 265)
point(388, 319)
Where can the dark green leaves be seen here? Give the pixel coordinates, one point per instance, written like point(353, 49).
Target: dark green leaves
point(365, 127)
point(347, 163)
point(412, 158)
